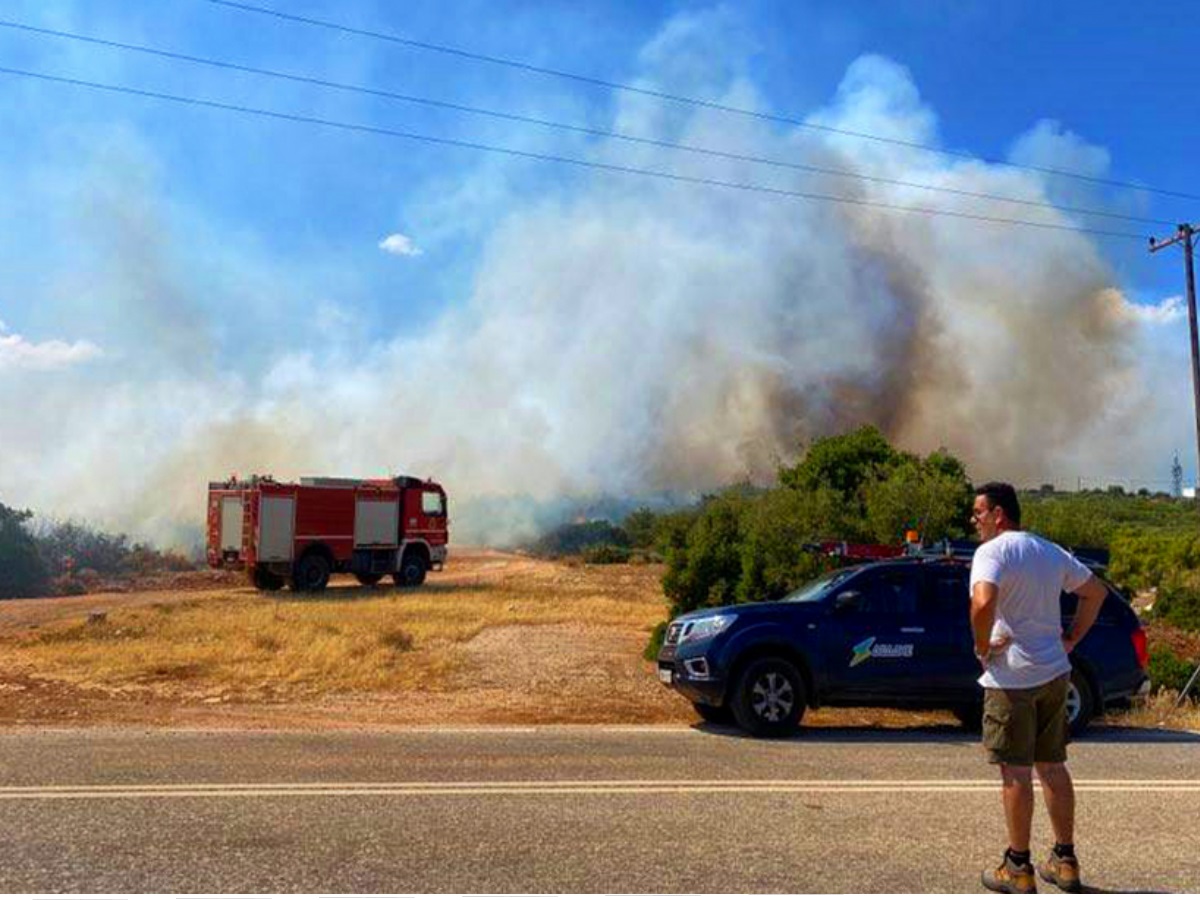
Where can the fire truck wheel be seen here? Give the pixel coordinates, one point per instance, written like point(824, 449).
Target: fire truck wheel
point(265, 580)
point(412, 571)
point(312, 573)
point(368, 579)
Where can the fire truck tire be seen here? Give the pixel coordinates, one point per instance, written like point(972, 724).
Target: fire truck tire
point(368, 579)
point(311, 573)
point(265, 580)
point(412, 570)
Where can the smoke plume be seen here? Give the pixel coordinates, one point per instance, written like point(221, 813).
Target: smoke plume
point(630, 337)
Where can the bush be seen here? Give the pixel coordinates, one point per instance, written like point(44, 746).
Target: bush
point(23, 571)
point(575, 538)
point(606, 554)
point(932, 497)
point(844, 462)
point(705, 571)
point(72, 546)
point(1178, 604)
point(775, 529)
point(1168, 670)
point(657, 636)
point(640, 526)
point(1095, 519)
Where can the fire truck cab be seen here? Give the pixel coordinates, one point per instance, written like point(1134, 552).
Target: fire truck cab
point(300, 533)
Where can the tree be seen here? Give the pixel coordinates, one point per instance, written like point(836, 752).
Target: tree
point(705, 570)
point(640, 526)
point(932, 497)
point(775, 530)
point(23, 572)
point(843, 462)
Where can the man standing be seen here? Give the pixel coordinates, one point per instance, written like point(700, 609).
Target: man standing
point(1016, 580)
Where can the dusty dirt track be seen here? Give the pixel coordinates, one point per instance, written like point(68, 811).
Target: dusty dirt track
point(510, 674)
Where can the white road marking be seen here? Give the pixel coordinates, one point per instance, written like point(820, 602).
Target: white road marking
point(456, 788)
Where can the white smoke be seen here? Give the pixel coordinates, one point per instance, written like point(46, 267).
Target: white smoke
point(630, 336)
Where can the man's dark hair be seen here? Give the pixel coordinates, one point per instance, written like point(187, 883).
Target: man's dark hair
point(1002, 495)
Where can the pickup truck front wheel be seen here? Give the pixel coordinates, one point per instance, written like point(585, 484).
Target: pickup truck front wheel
point(769, 698)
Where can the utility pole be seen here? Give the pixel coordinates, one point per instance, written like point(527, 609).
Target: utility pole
point(1184, 235)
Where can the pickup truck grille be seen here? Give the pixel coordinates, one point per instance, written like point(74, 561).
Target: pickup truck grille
point(673, 633)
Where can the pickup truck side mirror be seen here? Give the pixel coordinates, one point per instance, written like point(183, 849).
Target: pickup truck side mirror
point(846, 600)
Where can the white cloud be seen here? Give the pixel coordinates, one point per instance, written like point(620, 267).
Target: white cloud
point(399, 245)
point(18, 353)
point(1165, 312)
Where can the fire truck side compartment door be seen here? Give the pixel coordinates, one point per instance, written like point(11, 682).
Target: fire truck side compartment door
point(276, 518)
point(231, 523)
point(376, 523)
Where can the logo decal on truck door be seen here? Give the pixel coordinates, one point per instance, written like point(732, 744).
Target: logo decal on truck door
point(864, 650)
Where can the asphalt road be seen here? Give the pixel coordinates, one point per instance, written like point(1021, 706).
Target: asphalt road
point(578, 810)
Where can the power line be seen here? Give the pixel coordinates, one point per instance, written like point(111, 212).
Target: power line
point(679, 98)
point(546, 157)
point(579, 129)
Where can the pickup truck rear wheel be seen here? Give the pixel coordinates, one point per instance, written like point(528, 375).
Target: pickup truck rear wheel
point(1081, 703)
point(769, 698)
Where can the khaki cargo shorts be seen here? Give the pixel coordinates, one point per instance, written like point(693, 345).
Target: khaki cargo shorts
point(1021, 727)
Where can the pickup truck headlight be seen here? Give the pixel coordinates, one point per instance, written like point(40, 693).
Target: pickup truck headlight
point(706, 627)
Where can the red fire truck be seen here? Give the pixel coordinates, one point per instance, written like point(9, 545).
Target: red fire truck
point(301, 533)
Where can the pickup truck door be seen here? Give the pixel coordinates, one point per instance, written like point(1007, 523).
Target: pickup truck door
point(875, 640)
point(949, 667)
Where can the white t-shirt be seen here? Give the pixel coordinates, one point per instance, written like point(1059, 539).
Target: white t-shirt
point(1031, 573)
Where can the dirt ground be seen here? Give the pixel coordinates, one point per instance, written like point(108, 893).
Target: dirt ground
point(525, 674)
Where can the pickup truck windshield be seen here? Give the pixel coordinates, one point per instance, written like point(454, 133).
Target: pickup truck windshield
point(816, 590)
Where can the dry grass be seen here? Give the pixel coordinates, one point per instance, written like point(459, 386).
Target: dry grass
point(1159, 711)
point(496, 639)
point(346, 640)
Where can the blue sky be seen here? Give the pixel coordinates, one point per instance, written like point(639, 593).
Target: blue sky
point(206, 269)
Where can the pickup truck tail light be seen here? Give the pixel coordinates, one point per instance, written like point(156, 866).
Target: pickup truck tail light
point(1139, 647)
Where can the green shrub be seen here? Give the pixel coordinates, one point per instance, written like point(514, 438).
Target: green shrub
point(578, 537)
point(641, 526)
point(657, 636)
point(1169, 671)
point(931, 497)
point(706, 569)
point(23, 571)
point(843, 462)
point(606, 554)
point(1178, 604)
point(775, 529)
point(1149, 559)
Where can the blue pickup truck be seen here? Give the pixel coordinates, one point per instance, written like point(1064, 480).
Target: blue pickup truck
point(886, 634)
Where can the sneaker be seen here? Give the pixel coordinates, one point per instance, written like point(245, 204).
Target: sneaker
point(1010, 878)
point(1062, 872)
